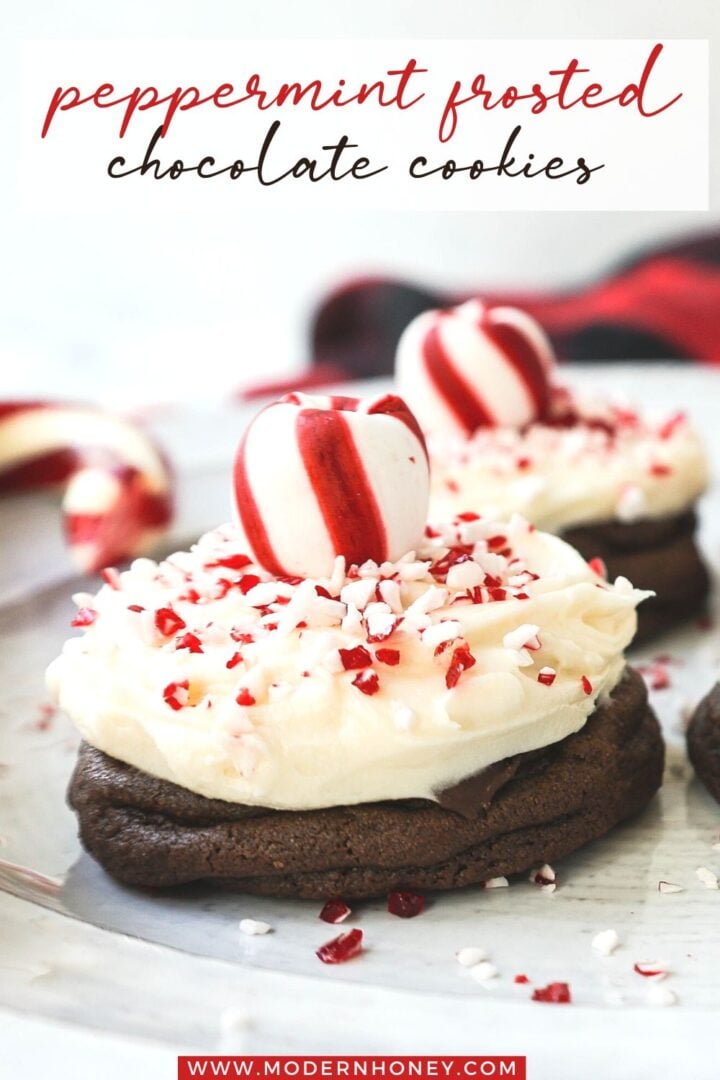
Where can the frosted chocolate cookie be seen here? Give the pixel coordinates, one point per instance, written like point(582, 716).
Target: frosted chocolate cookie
point(619, 484)
point(437, 706)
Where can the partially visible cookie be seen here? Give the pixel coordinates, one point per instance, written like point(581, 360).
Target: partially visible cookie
point(703, 740)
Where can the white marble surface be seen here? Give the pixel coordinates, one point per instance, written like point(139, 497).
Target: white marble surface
point(132, 979)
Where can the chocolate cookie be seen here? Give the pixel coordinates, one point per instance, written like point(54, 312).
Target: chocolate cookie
point(535, 808)
point(659, 555)
point(703, 740)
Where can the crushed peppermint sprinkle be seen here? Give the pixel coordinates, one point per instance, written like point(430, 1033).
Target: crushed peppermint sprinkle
point(86, 616)
point(367, 682)
point(557, 993)
point(355, 658)
point(524, 637)
point(168, 622)
point(388, 656)
point(669, 887)
point(335, 911)
point(598, 567)
point(547, 676)
point(544, 876)
point(176, 694)
point(521, 980)
point(405, 904)
point(341, 948)
point(586, 685)
point(708, 879)
point(651, 969)
point(111, 577)
point(484, 971)
point(470, 956)
point(244, 697)
point(661, 995)
point(252, 927)
point(462, 659)
point(496, 883)
point(606, 942)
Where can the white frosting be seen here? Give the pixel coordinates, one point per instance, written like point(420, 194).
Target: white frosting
point(308, 736)
point(558, 477)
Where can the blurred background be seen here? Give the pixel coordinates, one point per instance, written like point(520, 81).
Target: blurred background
point(128, 310)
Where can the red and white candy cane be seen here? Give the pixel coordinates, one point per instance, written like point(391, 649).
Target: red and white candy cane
point(118, 498)
point(318, 477)
point(474, 366)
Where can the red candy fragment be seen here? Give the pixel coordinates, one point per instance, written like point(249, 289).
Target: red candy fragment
point(353, 659)
point(248, 582)
point(342, 948)
point(598, 567)
point(334, 911)
point(405, 904)
point(521, 980)
point(86, 616)
point(649, 969)
point(168, 622)
point(367, 682)
point(462, 659)
point(244, 697)
point(388, 656)
point(586, 685)
point(176, 694)
point(190, 642)
point(111, 577)
point(557, 993)
point(234, 660)
point(547, 676)
point(231, 562)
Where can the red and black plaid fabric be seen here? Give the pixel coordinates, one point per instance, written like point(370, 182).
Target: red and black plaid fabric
point(664, 304)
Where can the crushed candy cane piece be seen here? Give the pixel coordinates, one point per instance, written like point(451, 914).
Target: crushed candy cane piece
point(651, 969)
point(484, 971)
point(661, 995)
point(547, 676)
point(496, 883)
point(557, 993)
point(669, 887)
point(252, 927)
point(470, 956)
point(335, 911)
point(606, 942)
point(707, 877)
point(342, 948)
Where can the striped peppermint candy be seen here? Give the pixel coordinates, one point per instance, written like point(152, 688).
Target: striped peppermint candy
point(318, 477)
point(118, 488)
point(475, 366)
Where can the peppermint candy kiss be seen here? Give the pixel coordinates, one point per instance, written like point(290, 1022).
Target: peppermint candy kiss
point(318, 477)
point(474, 366)
point(118, 497)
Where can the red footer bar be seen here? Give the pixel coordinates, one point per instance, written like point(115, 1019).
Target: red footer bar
point(363, 1067)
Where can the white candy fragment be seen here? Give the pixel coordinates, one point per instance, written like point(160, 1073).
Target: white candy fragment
point(708, 879)
point(524, 637)
point(669, 887)
point(484, 971)
point(470, 956)
point(252, 927)
point(606, 942)
point(496, 883)
point(661, 995)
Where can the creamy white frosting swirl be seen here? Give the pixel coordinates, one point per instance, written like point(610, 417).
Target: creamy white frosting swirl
point(507, 651)
point(610, 464)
